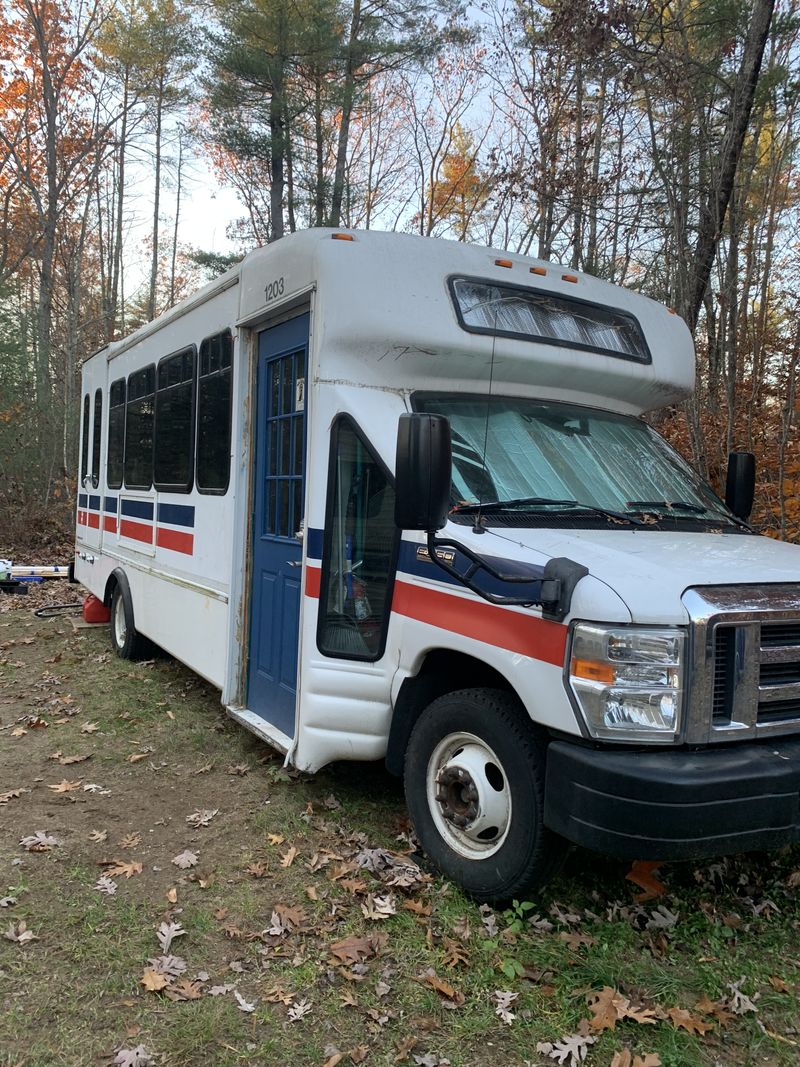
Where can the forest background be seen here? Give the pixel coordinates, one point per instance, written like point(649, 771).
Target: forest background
point(649, 143)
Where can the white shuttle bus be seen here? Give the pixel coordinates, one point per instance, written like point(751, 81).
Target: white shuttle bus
point(394, 497)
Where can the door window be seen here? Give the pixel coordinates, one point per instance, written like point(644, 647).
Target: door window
point(360, 550)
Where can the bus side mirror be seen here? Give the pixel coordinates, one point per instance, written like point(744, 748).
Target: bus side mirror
point(741, 483)
point(422, 472)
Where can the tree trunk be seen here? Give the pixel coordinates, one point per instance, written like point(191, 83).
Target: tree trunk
point(348, 97)
point(151, 300)
point(714, 209)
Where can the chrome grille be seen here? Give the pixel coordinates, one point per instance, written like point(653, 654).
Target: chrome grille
point(745, 669)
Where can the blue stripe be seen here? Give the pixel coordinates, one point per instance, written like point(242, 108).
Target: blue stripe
point(422, 568)
point(314, 542)
point(83, 500)
point(94, 503)
point(110, 504)
point(176, 514)
point(138, 509)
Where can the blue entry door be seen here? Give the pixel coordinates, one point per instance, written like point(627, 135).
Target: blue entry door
point(277, 522)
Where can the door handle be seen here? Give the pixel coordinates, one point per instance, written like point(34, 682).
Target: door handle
point(294, 563)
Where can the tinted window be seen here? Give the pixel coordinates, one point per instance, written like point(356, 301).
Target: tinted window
point(139, 429)
point(214, 413)
point(360, 543)
point(172, 461)
point(116, 434)
point(85, 442)
point(96, 431)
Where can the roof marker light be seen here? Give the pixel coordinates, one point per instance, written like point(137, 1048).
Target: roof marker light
point(342, 237)
point(539, 270)
point(569, 277)
point(503, 263)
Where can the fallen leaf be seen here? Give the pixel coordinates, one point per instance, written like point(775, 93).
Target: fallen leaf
point(454, 954)
point(12, 794)
point(172, 895)
point(739, 1002)
point(502, 1004)
point(153, 981)
point(205, 768)
point(359, 1053)
point(130, 840)
point(66, 786)
point(202, 817)
point(119, 868)
point(243, 1004)
point(418, 907)
point(288, 859)
point(98, 835)
point(779, 984)
point(39, 842)
point(185, 860)
point(136, 756)
point(378, 908)
point(275, 839)
point(106, 885)
point(65, 761)
point(133, 1057)
point(167, 932)
point(570, 1050)
point(444, 989)
point(642, 873)
point(299, 1010)
point(684, 1020)
point(356, 949)
point(20, 933)
point(89, 728)
point(575, 939)
point(184, 990)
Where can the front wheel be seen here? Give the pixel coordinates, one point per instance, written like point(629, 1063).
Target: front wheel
point(474, 782)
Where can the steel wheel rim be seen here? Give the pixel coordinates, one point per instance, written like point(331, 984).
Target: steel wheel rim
point(468, 795)
point(120, 626)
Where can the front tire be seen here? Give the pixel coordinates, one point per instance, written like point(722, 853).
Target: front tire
point(126, 642)
point(474, 782)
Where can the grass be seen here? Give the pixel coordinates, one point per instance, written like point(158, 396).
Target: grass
point(74, 996)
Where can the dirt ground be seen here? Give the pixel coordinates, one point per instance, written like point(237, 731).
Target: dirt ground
point(169, 894)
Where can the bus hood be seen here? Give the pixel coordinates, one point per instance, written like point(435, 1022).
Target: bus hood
point(649, 570)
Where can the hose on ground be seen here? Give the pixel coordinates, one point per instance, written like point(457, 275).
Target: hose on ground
point(52, 611)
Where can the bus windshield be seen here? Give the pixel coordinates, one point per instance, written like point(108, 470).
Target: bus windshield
point(534, 457)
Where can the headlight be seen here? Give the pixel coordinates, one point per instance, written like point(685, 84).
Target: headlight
point(628, 682)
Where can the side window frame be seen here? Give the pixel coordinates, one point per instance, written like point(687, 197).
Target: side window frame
point(175, 487)
point(128, 402)
point(116, 484)
point(220, 491)
point(340, 421)
point(97, 436)
point(85, 441)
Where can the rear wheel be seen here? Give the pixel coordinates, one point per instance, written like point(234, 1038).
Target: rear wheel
point(126, 642)
point(474, 780)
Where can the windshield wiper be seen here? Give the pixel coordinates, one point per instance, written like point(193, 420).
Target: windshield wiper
point(669, 505)
point(534, 502)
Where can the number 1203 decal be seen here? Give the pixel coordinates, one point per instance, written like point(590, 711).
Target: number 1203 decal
point(274, 289)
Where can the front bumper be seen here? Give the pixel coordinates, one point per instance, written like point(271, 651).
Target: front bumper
point(676, 804)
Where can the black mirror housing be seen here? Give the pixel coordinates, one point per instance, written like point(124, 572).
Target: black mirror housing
point(423, 472)
point(740, 485)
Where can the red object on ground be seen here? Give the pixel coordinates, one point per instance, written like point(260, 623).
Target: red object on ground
point(94, 610)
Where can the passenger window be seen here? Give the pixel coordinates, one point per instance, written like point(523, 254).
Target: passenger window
point(96, 431)
point(116, 434)
point(360, 551)
point(139, 429)
point(85, 442)
point(214, 414)
point(174, 439)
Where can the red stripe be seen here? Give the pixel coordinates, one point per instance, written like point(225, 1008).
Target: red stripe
point(136, 530)
point(109, 523)
point(523, 634)
point(94, 520)
point(81, 518)
point(313, 581)
point(175, 540)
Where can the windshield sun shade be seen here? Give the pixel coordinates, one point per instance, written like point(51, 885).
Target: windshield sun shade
point(535, 315)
